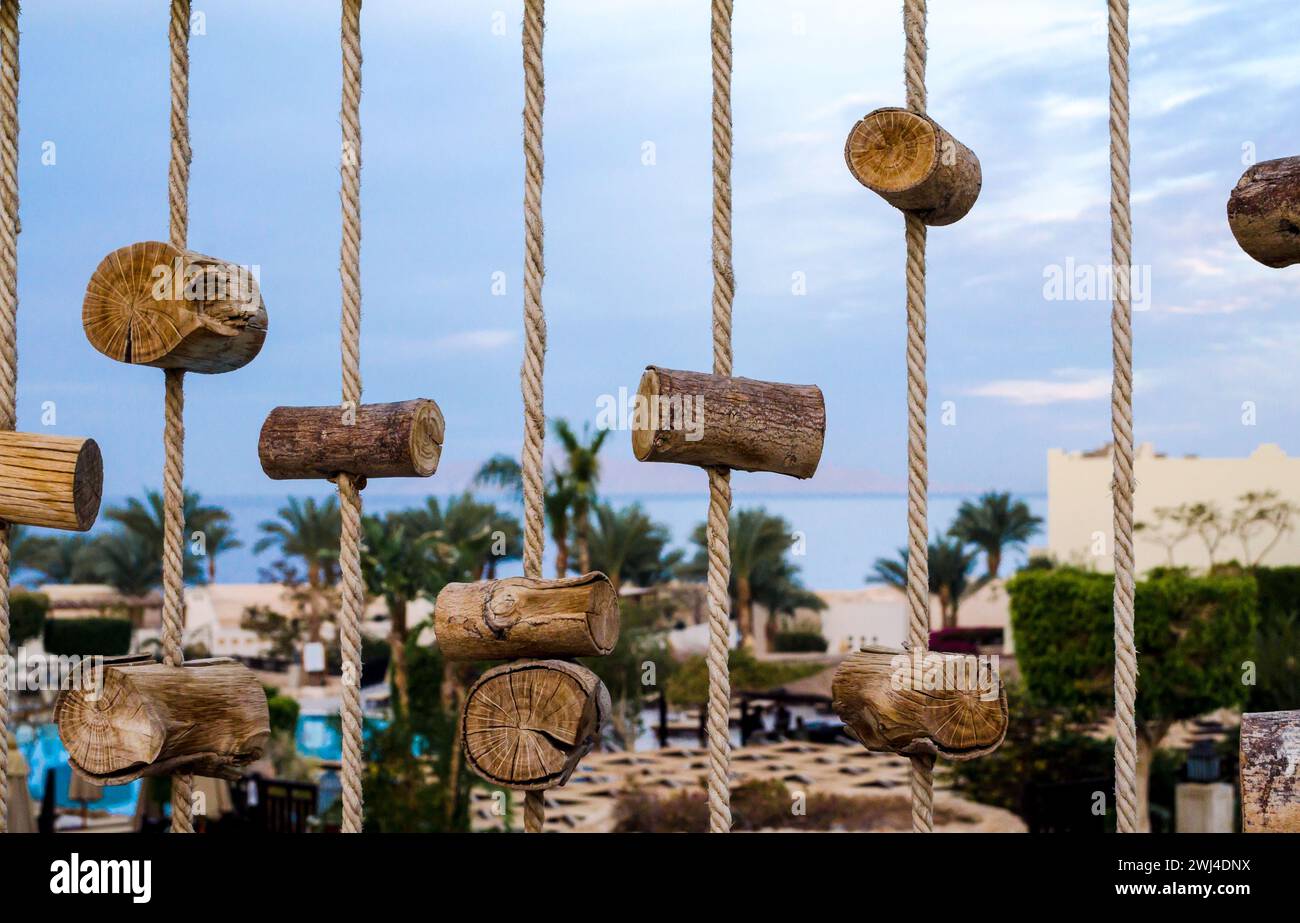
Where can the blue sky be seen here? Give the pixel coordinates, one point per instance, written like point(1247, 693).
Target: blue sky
point(1022, 83)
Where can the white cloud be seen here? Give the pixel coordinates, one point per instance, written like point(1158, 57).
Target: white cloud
point(1039, 391)
point(474, 340)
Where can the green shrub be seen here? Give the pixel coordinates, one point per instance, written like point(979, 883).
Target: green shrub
point(26, 616)
point(103, 637)
point(689, 683)
point(284, 713)
point(1277, 641)
point(1194, 634)
point(799, 641)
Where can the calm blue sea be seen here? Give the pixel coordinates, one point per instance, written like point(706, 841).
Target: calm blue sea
point(843, 534)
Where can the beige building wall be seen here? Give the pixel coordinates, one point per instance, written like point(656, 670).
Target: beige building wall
point(1079, 526)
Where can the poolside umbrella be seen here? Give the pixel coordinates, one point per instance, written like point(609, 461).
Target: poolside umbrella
point(20, 802)
point(84, 793)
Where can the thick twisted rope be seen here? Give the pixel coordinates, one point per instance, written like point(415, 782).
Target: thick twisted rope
point(173, 562)
point(918, 529)
point(8, 339)
point(719, 521)
point(530, 375)
point(352, 588)
point(1121, 417)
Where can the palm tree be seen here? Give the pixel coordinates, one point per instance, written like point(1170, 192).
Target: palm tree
point(950, 566)
point(504, 472)
point(760, 571)
point(398, 566)
point(626, 545)
point(993, 523)
point(582, 473)
point(308, 531)
point(147, 519)
point(55, 558)
point(128, 562)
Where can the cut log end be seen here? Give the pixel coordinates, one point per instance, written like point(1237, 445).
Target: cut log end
point(152, 304)
point(891, 150)
point(136, 718)
point(50, 481)
point(397, 440)
point(911, 162)
point(716, 421)
point(1264, 212)
point(527, 724)
point(527, 617)
point(946, 705)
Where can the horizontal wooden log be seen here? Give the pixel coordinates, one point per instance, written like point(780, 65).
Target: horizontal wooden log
point(1270, 772)
point(693, 418)
point(526, 724)
point(401, 440)
point(208, 718)
point(51, 481)
point(912, 163)
point(527, 617)
point(152, 304)
point(928, 703)
point(1264, 212)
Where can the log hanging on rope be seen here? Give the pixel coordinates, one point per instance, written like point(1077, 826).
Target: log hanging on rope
point(401, 440)
point(912, 163)
point(526, 724)
point(1264, 212)
point(694, 418)
point(152, 304)
point(208, 718)
point(928, 703)
point(1270, 772)
point(527, 617)
point(51, 481)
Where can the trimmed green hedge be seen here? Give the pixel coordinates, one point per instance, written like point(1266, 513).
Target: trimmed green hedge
point(104, 637)
point(26, 616)
point(799, 642)
point(1193, 636)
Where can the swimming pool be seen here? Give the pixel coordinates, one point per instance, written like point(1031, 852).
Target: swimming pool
point(44, 751)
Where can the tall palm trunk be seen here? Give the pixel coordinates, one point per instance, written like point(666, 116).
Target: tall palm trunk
point(561, 556)
point(397, 650)
point(212, 568)
point(453, 690)
point(994, 556)
point(745, 611)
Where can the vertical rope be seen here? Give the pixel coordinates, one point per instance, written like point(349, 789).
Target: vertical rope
point(350, 347)
point(918, 529)
point(719, 521)
point(530, 375)
point(173, 563)
point(1121, 415)
point(8, 339)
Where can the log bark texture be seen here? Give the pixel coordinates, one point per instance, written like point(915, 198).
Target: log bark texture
point(1270, 772)
point(208, 718)
point(912, 163)
point(152, 304)
point(526, 724)
point(1264, 212)
point(693, 418)
point(935, 704)
point(527, 617)
point(401, 440)
point(51, 481)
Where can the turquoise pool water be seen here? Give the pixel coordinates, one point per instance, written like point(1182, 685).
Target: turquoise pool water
point(44, 751)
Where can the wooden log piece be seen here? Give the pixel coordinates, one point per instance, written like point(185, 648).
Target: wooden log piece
point(526, 724)
point(152, 304)
point(208, 717)
point(51, 481)
point(949, 705)
point(527, 617)
point(1270, 772)
point(1264, 212)
point(401, 440)
point(912, 163)
point(693, 418)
